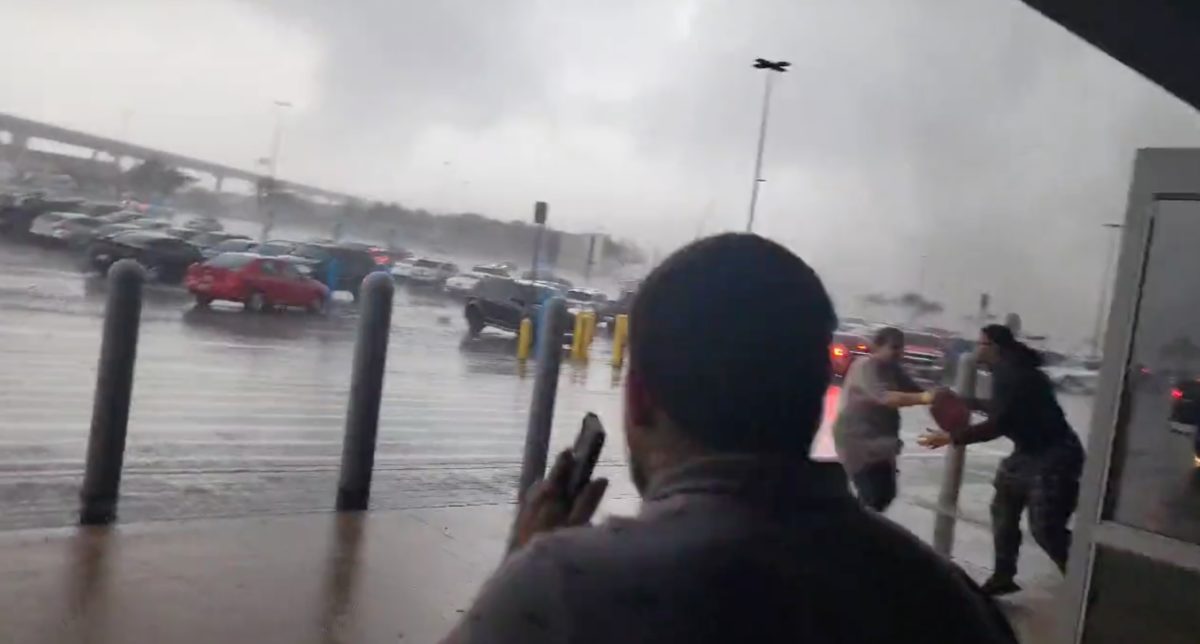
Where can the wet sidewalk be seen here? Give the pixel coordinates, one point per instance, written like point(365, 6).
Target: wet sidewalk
point(402, 576)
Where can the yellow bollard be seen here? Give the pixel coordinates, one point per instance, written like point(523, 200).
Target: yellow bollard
point(620, 337)
point(577, 338)
point(589, 331)
point(524, 339)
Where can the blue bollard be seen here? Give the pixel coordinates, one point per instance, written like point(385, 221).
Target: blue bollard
point(545, 389)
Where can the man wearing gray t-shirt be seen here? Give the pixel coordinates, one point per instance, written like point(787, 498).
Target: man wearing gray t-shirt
point(867, 430)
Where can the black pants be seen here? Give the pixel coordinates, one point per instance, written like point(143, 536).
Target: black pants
point(876, 485)
point(1048, 485)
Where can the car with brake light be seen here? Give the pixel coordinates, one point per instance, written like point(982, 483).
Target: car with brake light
point(258, 283)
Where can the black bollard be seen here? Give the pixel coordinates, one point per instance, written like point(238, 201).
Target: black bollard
point(114, 388)
point(366, 391)
point(545, 388)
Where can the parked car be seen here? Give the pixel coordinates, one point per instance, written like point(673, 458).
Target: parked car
point(206, 240)
point(85, 236)
point(230, 245)
point(258, 283)
point(56, 227)
point(502, 303)
point(1074, 376)
point(204, 224)
point(401, 269)
point(585, 299)
point(122, 216)
point(431, 272)
point(345, 267)
point(186, 234)
point(608, 312)
point(74, 231)
point(150, 223)
point(383, 256)
point(924, 356)
point(165, 258)
point(845, 349)
point(546, 276)
point(462, 284)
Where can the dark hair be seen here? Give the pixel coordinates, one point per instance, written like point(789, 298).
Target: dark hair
point(889, 336)
point(1010, 346)
point(730, 337)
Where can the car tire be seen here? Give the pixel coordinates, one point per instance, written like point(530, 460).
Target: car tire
point(475, 322)
point(203, 301)
point(257, 303)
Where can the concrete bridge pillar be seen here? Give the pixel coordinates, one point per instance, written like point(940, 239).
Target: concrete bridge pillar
point(219, 179)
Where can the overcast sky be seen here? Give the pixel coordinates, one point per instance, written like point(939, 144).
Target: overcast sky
point(957, 147)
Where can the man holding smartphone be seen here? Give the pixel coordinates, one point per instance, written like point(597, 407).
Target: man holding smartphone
point(741, 537)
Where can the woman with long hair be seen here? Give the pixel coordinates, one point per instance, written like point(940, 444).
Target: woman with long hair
point(1042, 473)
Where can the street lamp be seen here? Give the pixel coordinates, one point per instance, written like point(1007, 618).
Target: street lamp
point(769, 66)
point(1105, 286)
point(277, 137)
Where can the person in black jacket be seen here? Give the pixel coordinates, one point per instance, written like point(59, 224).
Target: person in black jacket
point(1042, 473)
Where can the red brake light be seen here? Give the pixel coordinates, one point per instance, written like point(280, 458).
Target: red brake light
point(839, 351)
point(1177, 394)
point(382, 260)
point(862, 347)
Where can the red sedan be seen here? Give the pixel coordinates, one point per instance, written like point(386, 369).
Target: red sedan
point(259, 283)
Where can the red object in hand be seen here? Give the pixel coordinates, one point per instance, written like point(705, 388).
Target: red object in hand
point(950, 412)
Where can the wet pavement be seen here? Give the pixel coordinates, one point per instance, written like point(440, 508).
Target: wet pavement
point(237, 414)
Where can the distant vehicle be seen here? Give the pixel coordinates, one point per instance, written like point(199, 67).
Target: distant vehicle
point(431, 272)
point(403, 268)
point(165, 258)
point(230, 245)
point(150, 223)
point(100, 208)
point(186, 234)
point(122, 216)
point(84, 237)
point(462, 284)
point(58, 226)
point(348, 265)
point(204, 224)
point(924, 356)
point(546, 276)
point(206, 240)
point(1074, 376)
point(383, 256)
point(259, 283)
point(845, 349)
point(275, 247)
point(585, 299)
point(1185, 402)
point(502, 303)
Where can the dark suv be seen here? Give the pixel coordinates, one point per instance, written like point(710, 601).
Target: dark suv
point(165, 258)
point(503, 303)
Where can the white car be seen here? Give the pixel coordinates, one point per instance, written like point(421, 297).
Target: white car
point(1075, 377)
point(54, 225)
point(585, 299)
point(462, 284)
point(431, 271)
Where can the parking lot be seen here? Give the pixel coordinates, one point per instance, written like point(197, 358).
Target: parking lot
point(237, 414)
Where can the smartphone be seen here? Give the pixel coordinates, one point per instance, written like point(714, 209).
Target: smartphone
point(586, 453)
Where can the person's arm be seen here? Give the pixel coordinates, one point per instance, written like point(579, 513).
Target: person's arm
point(864, 379)
point(977, 433)
point(998, 410)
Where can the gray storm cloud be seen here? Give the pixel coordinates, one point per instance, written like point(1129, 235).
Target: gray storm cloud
point(951, 147)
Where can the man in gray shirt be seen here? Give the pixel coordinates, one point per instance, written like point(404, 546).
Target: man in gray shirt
point(741, 538)
point(866, 433)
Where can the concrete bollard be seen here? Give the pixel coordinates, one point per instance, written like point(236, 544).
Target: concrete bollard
point(366, 392)
point(545, 389)
point(952, 470)
point(114, 389)
point(524, 339)
point(620, 337)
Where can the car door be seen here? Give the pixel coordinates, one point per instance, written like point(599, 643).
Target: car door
point(271, 281)
point(294, 289)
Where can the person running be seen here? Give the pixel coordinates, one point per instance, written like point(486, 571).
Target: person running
point(1042, 473)
point(866, 433)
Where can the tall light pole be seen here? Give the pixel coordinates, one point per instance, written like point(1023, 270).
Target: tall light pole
point(277, 137)
point(769, 66)
point(1105, 286)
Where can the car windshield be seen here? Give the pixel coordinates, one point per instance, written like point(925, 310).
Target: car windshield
point(428, 263)
point(490, 270)
point(230, 260)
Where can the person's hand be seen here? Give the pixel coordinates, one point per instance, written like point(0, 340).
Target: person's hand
point(933, 439)
point(548, 504)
